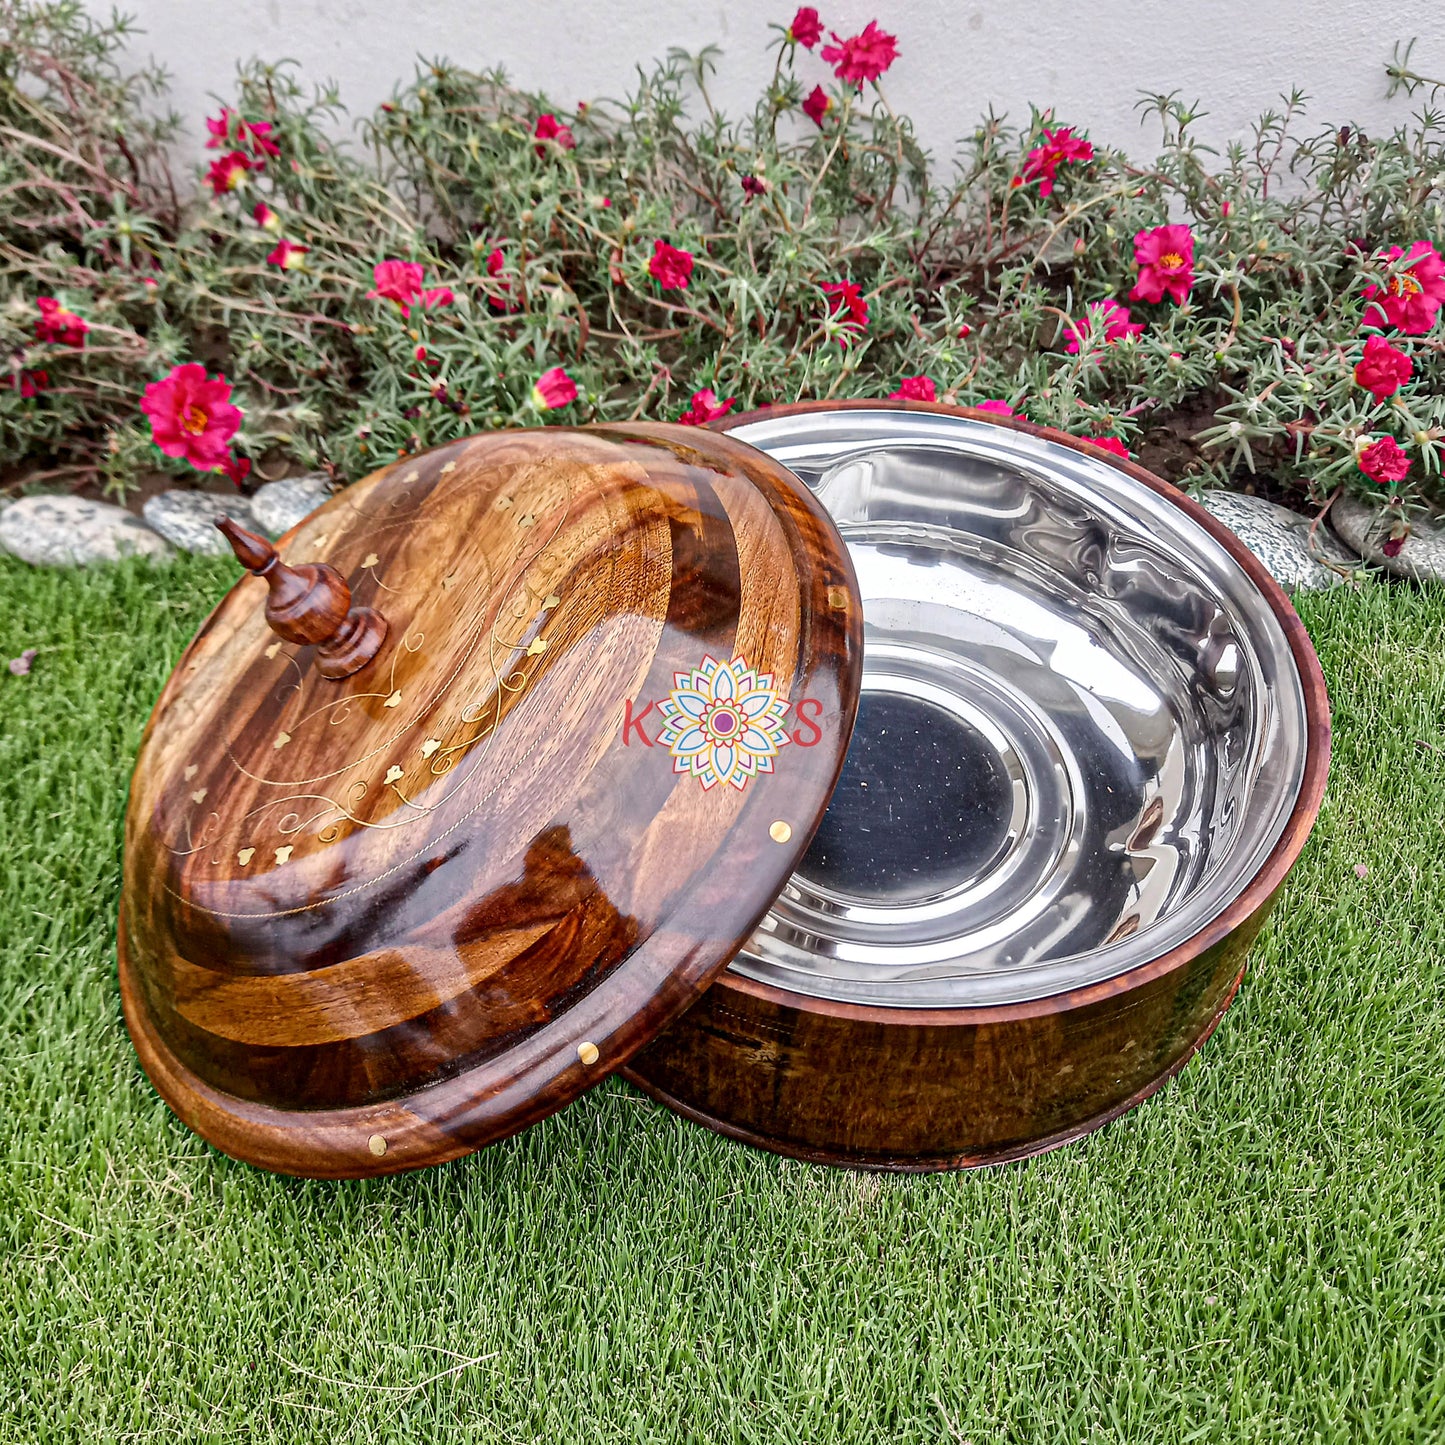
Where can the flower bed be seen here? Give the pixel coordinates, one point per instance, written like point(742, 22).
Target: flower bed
point(485, 259)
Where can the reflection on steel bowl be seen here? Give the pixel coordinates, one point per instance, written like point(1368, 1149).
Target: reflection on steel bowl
point(1091, 741)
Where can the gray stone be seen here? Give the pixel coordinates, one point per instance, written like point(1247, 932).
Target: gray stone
point(1280, 539)
point(188, 519)
point(1366, 527)
point(279, 506)
point(64, 531)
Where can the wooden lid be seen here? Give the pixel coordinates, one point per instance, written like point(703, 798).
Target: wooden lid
point(450, 809)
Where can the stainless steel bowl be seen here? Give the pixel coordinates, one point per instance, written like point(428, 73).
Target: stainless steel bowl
point(1082, 730)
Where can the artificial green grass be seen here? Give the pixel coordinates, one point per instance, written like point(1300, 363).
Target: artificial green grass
point(1258, 1253)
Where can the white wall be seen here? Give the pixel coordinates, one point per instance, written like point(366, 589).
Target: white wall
point(1088, 59)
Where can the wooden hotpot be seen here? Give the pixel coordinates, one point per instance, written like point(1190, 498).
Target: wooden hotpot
point(471, 793)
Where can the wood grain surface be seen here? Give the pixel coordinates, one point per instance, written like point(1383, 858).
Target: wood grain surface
point(919, 1089)
point(377, 922)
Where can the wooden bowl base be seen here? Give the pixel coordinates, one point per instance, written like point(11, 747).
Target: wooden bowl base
point(879, 1089)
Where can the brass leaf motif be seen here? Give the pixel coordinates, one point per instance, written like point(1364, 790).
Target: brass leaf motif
point(274, 648)
point(394, 700)
point(190, 771)
point(283, 855)
point(281, 740)
point(526, 521)
point(393, 774)
point(245, 856)
point(504, 504)
point(449, 468)
point(370, 560)
point(199, 796)
point(538, 647)
point(430, 746)
point(552, 601)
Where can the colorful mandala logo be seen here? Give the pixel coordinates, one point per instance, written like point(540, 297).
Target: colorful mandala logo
point(723, 723)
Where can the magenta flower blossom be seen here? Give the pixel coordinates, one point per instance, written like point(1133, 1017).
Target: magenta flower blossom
point(1165, 257)
point(670, 267)
point(862, 57)
point(554, 388)
point(915, 388)
point(705, 407)
point(1109, 317)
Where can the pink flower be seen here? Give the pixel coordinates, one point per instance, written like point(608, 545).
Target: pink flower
point(398, 281)
point(817, 105)
point(288, 255)
point(998, 408)
point(266, 218)
point(847, 297)
point(500, 305)
point(554, 388)
point(1108, 444)
point(1110, 317)
point(549, 128)
point(861, 57)
point(31, 383)
point(220, 128)
point(669, 267)
point(1383, 369)
point(1410, 298)
point(257, 134)
point(58, 324)
point(1384, 462)
point(915, 388)
point(1165, 257)
point(752, 186)
point(806, 29)
point(192, 416)
point(1060, 146)
point(705, 407)
point(229, 172)
point(437, 296)
point(237, 469)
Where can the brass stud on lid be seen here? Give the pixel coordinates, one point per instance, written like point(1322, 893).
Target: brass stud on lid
point(780, 832)
point(377, 1145)
point(587, 1052)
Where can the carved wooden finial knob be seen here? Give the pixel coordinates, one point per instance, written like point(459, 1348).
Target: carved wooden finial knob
point(310, 605)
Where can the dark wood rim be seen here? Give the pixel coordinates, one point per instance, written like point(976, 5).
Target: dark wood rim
point(942, 1163)
point(1255, 895)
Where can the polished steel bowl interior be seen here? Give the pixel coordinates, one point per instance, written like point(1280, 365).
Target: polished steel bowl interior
point(1082, 729)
